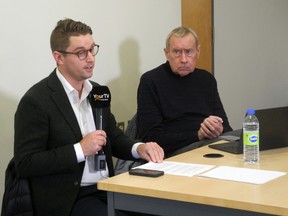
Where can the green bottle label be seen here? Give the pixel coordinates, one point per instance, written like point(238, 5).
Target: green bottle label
point(251, 138)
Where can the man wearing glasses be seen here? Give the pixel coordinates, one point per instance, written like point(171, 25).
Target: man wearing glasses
point(55, 134)
point(179, 104)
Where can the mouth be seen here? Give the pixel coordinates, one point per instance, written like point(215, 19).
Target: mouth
point(183, 68)
point(89, 68)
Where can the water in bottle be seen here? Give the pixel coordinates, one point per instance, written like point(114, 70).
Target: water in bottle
point(251, 137)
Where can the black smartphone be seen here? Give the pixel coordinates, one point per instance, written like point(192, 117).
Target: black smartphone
point(146, 172)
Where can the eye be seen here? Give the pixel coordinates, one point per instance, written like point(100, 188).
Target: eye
point(177, 52)
point(189, 52)
point(82, 53)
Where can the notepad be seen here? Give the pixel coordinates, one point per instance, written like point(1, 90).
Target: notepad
point(253, 176)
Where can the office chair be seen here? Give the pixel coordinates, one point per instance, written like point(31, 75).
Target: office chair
point(125, 165)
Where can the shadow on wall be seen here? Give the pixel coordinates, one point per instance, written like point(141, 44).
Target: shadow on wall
point(7, 111)
point(124, 88)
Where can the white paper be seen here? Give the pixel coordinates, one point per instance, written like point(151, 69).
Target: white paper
point(177, 168)
point(254, 176)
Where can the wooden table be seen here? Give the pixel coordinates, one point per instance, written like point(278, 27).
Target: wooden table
point(179, 196)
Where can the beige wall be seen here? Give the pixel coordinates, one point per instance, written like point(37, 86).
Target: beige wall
point(251, 55)
point(131, 35)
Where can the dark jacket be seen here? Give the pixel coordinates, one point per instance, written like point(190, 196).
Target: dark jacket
point(17, 195)
point(45, 130)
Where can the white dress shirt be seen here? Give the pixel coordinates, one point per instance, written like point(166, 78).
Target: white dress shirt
point(84, 115)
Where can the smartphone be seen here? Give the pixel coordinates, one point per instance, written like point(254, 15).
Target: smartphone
point(146, 172)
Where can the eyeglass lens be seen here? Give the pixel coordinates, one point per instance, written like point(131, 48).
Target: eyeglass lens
point(82, 54)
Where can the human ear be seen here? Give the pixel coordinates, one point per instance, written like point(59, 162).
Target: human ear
point(58, 57)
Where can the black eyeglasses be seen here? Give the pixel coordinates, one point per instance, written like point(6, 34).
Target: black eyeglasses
point(82, 54)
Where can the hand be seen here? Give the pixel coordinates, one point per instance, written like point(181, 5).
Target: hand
point(210, 128)
point(93, 142)
point(151, 151)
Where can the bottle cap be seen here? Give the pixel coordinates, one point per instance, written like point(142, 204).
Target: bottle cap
point(250, 111)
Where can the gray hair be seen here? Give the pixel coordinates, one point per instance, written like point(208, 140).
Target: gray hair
point(181, 32)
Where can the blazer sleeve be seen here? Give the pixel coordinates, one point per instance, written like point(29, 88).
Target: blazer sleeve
point(43, 142)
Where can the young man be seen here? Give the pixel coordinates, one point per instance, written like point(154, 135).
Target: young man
point(179, 104)
point(55, 134)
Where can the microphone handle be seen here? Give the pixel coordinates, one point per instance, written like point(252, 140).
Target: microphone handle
point(99, 113)
point(100, 158)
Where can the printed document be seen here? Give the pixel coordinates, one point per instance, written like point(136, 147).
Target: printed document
point(177, 168)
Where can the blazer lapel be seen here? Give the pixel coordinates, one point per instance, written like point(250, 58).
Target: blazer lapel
point(61, 100)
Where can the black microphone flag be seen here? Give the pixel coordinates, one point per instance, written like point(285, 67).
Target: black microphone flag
point(100, 97)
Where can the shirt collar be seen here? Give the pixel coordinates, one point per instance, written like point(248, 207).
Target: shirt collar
point(87, 86)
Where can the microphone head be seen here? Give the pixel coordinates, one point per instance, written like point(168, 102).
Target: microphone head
point(100, 97)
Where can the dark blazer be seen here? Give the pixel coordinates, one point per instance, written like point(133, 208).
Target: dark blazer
point(45, 130)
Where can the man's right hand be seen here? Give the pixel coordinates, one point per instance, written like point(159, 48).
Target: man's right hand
point(93, 142)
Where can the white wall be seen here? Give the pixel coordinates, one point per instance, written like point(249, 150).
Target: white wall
point(251, 51)
point(131, 35)
point(251, 55)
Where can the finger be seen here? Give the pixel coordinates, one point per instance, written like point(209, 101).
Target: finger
point(205, 129)
point(100, 133)
point(158, 153)
point(217, 129)
point(212, 124)
point(101, 142)
point(206, 132)
point(215, 117)
point(213, 127)
point(151, 152)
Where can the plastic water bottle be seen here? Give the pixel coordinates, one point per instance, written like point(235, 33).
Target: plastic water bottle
point(251, 137)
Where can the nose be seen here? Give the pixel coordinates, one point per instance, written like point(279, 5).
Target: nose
point(90, 57)
point(183, 57)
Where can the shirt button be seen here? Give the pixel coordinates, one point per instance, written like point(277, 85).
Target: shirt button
point(76, 183)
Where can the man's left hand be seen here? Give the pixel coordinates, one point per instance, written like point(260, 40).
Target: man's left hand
point(211, 128)
point(151, 151)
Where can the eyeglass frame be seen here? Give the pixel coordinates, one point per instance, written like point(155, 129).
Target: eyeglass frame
point(82, 50)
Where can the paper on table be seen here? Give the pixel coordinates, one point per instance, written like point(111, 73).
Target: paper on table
point(177, 168)
point(242, 174)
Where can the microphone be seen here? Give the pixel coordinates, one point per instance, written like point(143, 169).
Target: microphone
point(99, 98)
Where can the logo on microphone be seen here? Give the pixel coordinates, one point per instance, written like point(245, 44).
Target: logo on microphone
point(101, 97)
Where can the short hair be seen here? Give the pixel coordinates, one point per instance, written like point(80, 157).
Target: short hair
point(181, 32)
point(59, 39)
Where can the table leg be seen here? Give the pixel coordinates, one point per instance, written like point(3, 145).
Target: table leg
point(111, 204)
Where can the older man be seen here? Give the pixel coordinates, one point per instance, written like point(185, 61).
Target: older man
point(179, 104)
